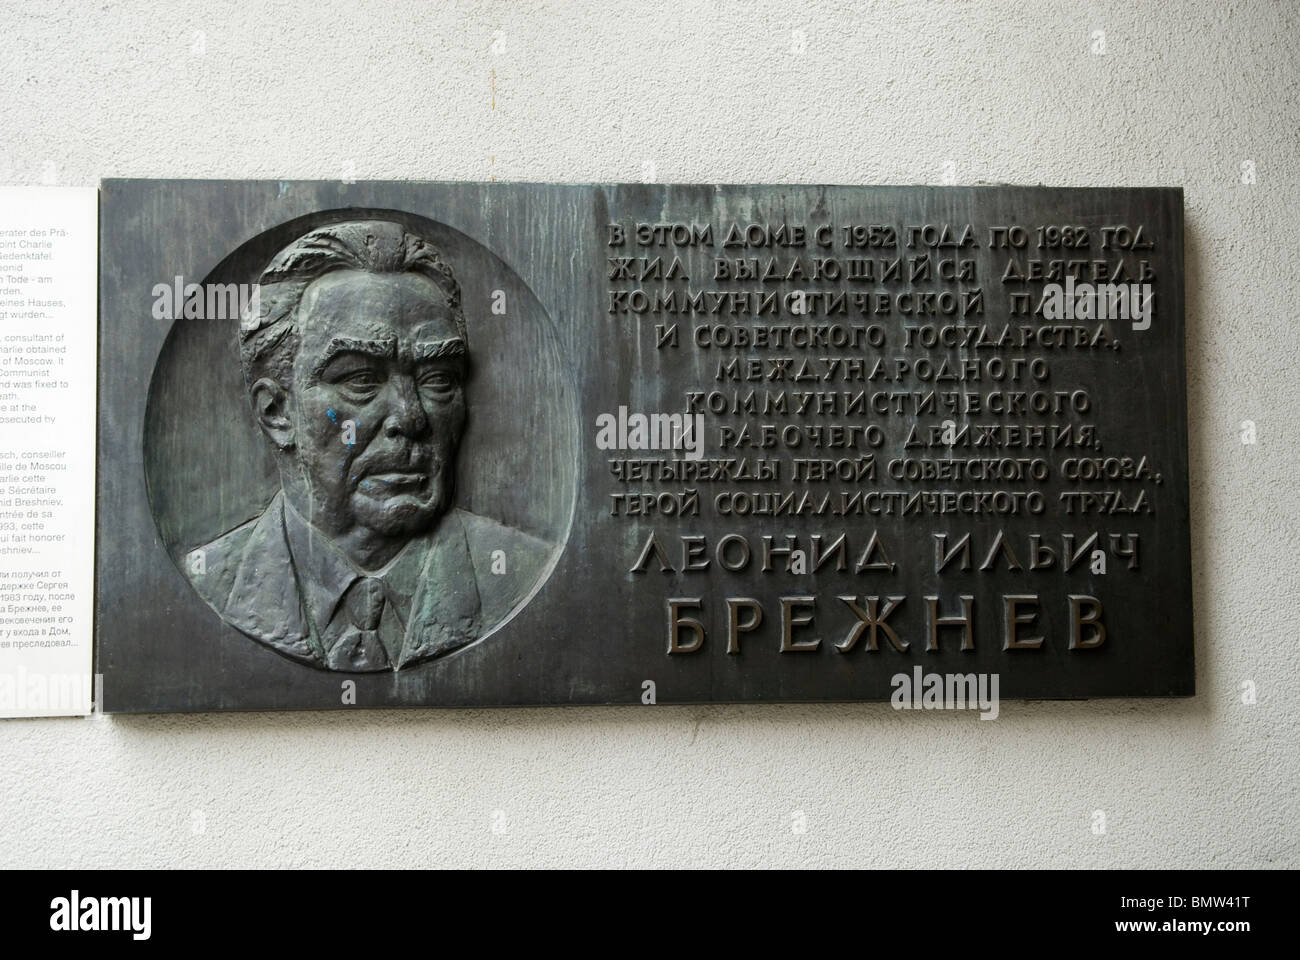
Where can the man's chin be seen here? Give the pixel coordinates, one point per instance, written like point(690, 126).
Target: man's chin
point(397, 515)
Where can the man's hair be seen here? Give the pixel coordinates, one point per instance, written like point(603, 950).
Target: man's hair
point(268, 331)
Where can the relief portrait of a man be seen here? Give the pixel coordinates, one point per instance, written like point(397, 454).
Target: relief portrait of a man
point(356, 358)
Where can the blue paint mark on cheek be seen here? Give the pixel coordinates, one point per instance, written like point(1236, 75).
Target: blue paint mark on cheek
point(351, 443)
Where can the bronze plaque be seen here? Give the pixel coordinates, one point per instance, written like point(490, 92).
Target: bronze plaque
point(431, 444)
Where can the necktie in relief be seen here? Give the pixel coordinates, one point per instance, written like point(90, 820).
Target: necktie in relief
point(359, 647)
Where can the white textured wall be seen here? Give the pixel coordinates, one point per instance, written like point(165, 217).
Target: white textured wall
point(711, 92)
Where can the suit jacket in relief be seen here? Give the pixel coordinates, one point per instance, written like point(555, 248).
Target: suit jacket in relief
point(252, 578)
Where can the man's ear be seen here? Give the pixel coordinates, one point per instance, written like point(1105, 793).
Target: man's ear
point(270, 406)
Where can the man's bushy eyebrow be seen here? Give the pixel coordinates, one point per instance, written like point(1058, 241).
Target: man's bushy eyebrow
point(385, 349)
point(453, 348)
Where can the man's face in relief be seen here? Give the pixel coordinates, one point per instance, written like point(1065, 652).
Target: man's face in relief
point(380, 363)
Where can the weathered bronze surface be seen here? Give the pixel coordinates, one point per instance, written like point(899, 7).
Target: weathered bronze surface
point(381, 444)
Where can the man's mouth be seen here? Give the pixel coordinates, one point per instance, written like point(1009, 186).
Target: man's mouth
point(395, 479)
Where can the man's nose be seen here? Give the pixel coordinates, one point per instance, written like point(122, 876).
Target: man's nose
point(406, 416)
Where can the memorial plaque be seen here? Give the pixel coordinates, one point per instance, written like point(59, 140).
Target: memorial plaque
point(436, 444)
